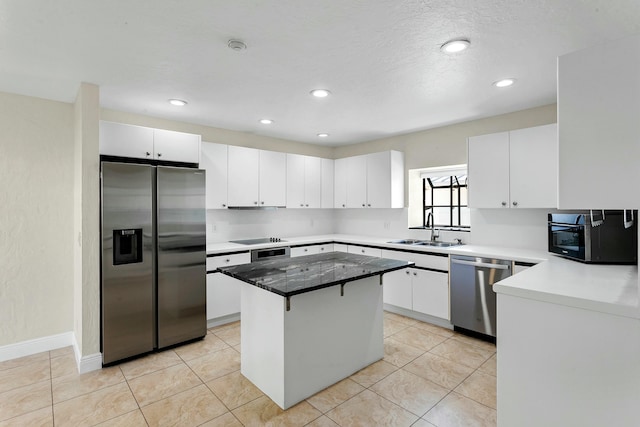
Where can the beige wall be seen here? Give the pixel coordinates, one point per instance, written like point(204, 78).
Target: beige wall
point(220, 136)
point(87, 220)
point(447, 145)
point(36, 218)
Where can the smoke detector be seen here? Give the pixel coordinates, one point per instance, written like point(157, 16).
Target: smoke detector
point(236, 45)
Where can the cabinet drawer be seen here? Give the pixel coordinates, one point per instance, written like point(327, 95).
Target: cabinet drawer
point(361, 250)
point(228, 260)
point(421, 260)
point(304, 250)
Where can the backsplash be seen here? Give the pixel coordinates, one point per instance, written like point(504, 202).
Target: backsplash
point(231, 224)
point(516, 228)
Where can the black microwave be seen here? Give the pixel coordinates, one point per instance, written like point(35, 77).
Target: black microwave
point(605, 237)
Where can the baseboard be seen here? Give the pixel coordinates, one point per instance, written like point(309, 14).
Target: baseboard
point(223, 320)
point(34, 346)
point(91, 362)
point(418, 316)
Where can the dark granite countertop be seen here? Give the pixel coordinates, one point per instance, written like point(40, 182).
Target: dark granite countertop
point(292, 276)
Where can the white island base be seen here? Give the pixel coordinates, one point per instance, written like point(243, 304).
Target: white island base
point(325, 337)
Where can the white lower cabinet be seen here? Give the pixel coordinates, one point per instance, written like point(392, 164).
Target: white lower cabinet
point(417, 289)
point(398, 288)
point(431, 293)
point(223, 292)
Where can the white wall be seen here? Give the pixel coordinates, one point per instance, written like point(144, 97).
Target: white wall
point(231, 224)
point(36, 218)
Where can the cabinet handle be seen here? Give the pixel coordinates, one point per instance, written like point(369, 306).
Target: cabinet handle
point(415, 274)
point(343, 206)
point(159, 154)
point(322, 249)
point(224, 206)
point(255, 203)
point(227, 260)
point(363, 205)
point(262, 203)
point(363, 251)
point(306, 250)
point(307, 206)
point(515, 203)
point(407, 272)
point(504, 203)
point(148, 154)
point(301, 205)
point(368, 205)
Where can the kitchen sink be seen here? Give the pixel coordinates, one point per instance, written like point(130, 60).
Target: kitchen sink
point(425, 243)
point(437, 244)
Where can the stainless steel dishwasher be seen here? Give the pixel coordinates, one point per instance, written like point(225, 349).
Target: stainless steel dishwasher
point(473, 301)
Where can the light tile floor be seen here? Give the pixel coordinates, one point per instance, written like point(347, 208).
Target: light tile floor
point(430, 376)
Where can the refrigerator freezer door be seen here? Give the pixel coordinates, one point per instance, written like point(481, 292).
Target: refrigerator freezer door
point(181, 233)
point(127, 261)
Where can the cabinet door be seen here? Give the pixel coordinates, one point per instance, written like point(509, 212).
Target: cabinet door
point(244, 164)
point(312, 181)
point(117, 139)
point(327, 176)
point(295, 180)
point(356, 174)
point(533, 167)
point(599, 111)
point(488, 166)
point(431, 293)
point(273, 178)
point(397, 288)
point(213, 159)
point(176, 146)
point(379, 180)
point(223, 295)
point(340, 183)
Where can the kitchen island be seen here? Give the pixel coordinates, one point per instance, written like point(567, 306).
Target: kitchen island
point(310, 321)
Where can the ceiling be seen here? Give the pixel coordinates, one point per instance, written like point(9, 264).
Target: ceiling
point(381, 59)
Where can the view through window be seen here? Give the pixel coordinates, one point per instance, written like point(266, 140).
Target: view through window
point(445, 198)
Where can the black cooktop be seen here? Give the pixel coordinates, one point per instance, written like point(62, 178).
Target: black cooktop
point(258, 241)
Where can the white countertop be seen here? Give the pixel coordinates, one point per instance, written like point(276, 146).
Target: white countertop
point(609, 289)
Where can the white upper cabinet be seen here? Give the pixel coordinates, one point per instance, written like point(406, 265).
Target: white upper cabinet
point(533, 167)
point(599, 126)
point(340, 183)
point(370, 181)
point(304, 181)
point(273, 178)
point(356, 177)
point(117, 139)
point(327, 176)
point(243, 176)
point(256, 177)
point(176, 146)
point(516, 169)
point(213, 159)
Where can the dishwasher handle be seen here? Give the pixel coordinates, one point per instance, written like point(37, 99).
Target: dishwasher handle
point(481, 264)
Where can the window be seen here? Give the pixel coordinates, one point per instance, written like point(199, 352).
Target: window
point(445, 198)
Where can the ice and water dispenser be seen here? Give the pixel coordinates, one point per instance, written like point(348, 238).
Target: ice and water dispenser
point(127, 246)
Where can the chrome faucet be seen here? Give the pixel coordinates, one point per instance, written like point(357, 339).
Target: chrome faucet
point(434, 233)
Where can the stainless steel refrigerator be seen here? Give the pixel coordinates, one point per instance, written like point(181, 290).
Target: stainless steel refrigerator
point(153, 292)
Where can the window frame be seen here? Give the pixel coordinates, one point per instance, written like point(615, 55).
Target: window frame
point(427, 185)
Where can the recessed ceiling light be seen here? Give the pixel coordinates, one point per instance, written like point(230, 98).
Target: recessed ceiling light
point(323, 135)
point(236, 45)
point(504, 82)
point(177, 102)
point(266, 121)
point(455, 46)
point(320, 93)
